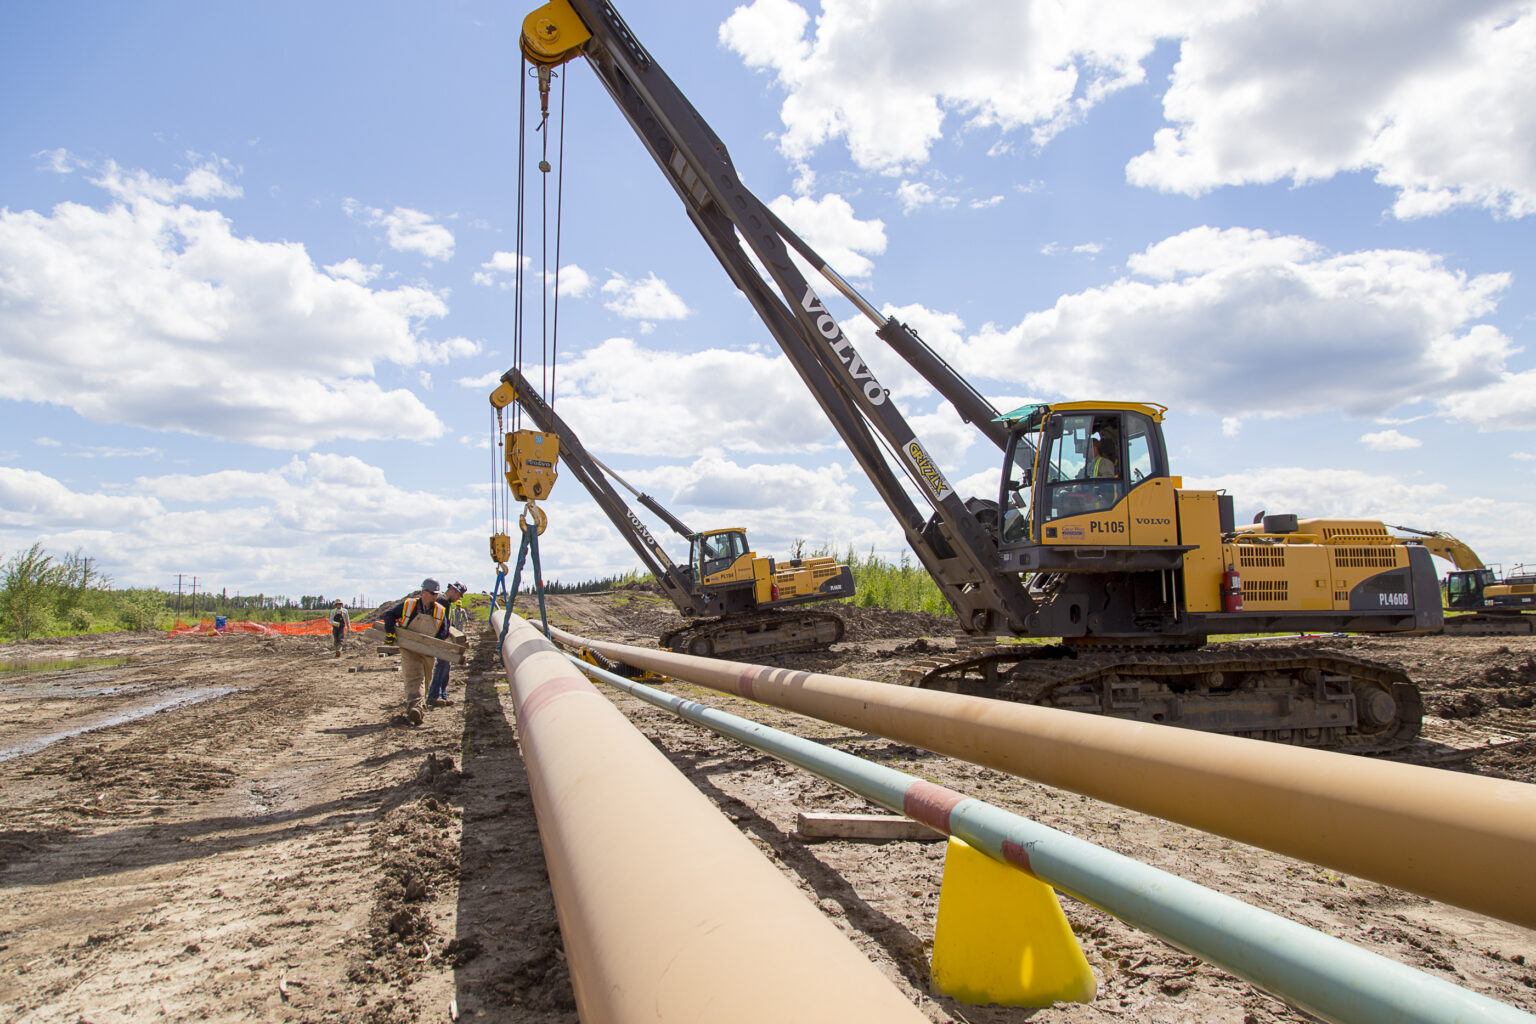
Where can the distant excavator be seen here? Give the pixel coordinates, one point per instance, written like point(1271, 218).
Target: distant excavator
point(738, 604)
point(1491, 604)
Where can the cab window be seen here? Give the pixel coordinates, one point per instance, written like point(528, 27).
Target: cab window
point(720, 551)
point(1142, 458)
point(1083, 465)
point(1018, 487)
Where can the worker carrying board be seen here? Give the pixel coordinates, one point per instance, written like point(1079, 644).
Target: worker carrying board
point(423, 613)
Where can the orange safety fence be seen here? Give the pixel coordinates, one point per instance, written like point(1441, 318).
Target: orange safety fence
point(308, 627)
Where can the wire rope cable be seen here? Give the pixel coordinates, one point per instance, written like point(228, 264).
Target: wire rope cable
point(554, 341)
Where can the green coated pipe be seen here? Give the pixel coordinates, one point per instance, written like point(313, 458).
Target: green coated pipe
point(1321, 974)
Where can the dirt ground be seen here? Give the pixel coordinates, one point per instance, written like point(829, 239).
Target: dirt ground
point(237, 828)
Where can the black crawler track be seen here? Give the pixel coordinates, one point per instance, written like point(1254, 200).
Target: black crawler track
point(1491, 624)
point(741, 636)
point(1310, 698)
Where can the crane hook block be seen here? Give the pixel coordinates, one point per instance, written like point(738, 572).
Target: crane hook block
point(530, 460)
point(540, 520)
point(501, 548)
point(553, 34)
point(504, 395)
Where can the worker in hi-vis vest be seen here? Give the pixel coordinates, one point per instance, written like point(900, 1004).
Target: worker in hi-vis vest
point(421, 613)
point(437, 693)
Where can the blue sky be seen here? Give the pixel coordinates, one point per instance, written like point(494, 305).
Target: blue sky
point(254, 267)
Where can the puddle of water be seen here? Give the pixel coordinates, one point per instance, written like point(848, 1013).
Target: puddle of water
point(64, 674)
point(56, 663)
point(168, 701)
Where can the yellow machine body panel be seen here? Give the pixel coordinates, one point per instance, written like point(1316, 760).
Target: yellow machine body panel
point(1200, 527)
point(1147, 516)
point(1099, 528)
point(805, 578)
point(1314, 567)
point(1285, 577)
point(1524, 591)
point(531, 457)
point(1151, 409)
point(1152, 513)
point(762, 580)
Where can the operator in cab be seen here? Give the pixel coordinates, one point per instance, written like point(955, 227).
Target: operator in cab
point(1101, 461)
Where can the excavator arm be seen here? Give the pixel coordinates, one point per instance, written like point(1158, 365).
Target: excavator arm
point(578, 462)
point(1445, 546)
point(956, 543)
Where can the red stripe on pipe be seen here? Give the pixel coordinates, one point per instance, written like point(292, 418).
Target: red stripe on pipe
point(548, 691)
point(747, 679)
point(1016, 855)
point(930, 804)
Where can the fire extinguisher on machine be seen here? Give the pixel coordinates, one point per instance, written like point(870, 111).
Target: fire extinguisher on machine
point(1231, 590)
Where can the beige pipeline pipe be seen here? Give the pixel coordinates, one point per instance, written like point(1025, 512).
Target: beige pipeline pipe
point(1463, 839)
point(667, 912)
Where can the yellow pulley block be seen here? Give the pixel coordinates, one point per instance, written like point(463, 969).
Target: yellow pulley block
point(501, 548)
point(540, 520)
point(530, 457)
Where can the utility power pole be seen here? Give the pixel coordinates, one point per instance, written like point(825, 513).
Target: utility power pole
point(178, 595)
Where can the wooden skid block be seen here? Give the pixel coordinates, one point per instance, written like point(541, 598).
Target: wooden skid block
point(812, 825)
point(421, 644)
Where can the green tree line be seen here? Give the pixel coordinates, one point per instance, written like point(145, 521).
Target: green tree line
point(43, 594)
point(591, 586)
point(877, 582)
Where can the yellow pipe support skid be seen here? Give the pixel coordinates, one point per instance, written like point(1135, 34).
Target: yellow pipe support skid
point(1463, 839)
point(668, 913)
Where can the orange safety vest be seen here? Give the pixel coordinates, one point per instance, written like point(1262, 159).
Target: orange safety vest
point(408, 612)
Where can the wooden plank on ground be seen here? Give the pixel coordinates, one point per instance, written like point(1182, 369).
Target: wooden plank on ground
point(813, 825)
point(421, 643)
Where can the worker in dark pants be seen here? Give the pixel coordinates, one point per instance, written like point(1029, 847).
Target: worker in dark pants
point(341, 623)
point(437, 693)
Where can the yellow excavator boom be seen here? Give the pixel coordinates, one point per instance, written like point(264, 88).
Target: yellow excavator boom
point(1443, 545)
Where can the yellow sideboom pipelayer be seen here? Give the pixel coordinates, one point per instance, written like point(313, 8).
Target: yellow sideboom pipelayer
point(738, 603)
point(1089, 537)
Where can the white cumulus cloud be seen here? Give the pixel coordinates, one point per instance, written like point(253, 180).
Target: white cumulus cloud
point(354, 270)
point(1431, 98)
point(407, 230)
point(830, 227)
point(1508, 403)
point(32, 501)
point(621, 397)
point(292, 528)
point(501, 269)
point(153, 312)
point(648, 299)
point(1390, 441)
point(1241, 323)
point(871, 74)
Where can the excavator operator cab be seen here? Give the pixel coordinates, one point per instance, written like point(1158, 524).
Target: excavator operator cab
point(1074, 459)
point(712, 555)
point(1464, 589)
